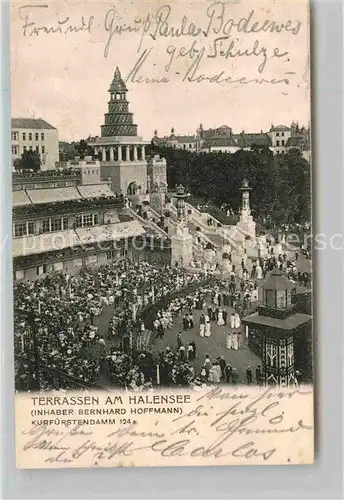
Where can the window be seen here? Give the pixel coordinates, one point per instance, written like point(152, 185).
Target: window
point(54, 224)
point(111, 254)
point(19, 275)
point(41, 269)
point(77, 262)
point(42, 136)
point(15, 136)
point(24, 136)
point(277, 134)
point(19, 229)
point(78, 220)
point(15, 150)
point(37, 149)
point(37, 136)
point(283, 143)
point(30, 228)
point(43, 150)
point(86, 220)
point(23, 228)
point(30, 136)
point(24, 148)
point(282, 134)
point(46, 226)
point(277, 143)
point(30, 148)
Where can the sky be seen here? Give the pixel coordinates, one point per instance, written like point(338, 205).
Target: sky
point(63, 76)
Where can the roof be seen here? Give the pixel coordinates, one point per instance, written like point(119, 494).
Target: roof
point(51, 195)
point(20, 198)
point(31, 123)
point(110, 232)
point(279, 128)
point(220, 141)
point(277, 281)
point(95, 191)
point(117, 83)
point(290, 323)
point(298, 141)
point(40, 243)
point(248, 140)
point(185, 138)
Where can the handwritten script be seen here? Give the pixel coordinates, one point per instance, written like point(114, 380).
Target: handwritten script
point(221, 426)
point(207, 45)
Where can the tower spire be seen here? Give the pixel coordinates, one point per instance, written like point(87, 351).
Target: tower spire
point(118, 119)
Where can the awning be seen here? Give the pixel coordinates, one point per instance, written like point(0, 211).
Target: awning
point(20, 198)
point(95, 191)
point(47, 242)
point(110, 232)
point(51, 195)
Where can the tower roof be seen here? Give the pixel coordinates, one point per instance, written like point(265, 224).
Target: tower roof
point(117, 84)
point(277, 281)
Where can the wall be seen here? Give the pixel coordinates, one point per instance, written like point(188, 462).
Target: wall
point(130, 172)
point(50, 144)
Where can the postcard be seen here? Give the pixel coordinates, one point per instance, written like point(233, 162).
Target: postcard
point(162, 233)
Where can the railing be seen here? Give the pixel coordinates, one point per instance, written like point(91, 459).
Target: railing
point(55, 377)
point(146, 222)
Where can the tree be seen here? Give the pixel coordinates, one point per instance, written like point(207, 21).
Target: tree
point(83, 149)
point(30, 160)
point(280, 184)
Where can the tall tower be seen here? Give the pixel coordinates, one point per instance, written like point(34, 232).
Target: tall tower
point(118, 120)
point(121, 150)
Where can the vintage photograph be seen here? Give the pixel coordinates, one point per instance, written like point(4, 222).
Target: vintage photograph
point(161, 183)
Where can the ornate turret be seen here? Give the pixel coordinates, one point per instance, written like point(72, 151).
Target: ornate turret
point(246, 222)
point(118, 121)
point(245, 190)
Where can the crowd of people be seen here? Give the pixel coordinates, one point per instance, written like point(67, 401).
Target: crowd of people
point(65, 309)
point(68, 339)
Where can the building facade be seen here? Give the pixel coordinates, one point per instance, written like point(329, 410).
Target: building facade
point(64, 227)
point(190, 143)
point(279, 140)
point(36, 135)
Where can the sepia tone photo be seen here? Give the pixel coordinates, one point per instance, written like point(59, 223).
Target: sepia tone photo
point(161, 183)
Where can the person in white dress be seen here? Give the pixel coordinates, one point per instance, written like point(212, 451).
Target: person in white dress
point(201, 329)
point(207, 332)
point(237, 321)
point(220, 320)
point(232, 321)
point(235, 341)
point(259, 273)
point(229, 343)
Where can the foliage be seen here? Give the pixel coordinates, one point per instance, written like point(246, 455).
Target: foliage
point(83, 149)
point(30, 160)
point(69, 150)
point(280, 184)
point(182, 374)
